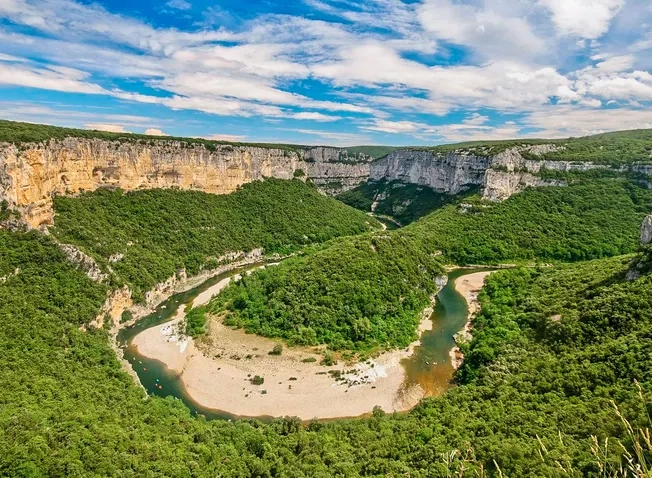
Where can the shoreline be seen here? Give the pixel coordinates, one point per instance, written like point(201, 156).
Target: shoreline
point(120, 301)
point(216, 372)
point(469, 286)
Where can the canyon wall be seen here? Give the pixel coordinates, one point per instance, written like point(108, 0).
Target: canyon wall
point(31, 174)
point(499, 176)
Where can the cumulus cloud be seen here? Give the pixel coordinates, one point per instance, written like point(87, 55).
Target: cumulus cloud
point(179, 4)
point(154, 132)
point(111, 128)
point(375, 63)
point(232, 138)
point(583, 18)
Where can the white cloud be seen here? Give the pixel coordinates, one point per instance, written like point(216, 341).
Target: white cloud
point(564, 121)
point(491, 32)
point(386, 126)
point(334, 138)
point(111, 128)
point(583, 18)
point(179, 4)
point(154, 132)
point(315, 117)
point(54, 78)
point(232, 138)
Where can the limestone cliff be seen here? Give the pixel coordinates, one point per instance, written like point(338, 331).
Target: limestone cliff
point(450, 174)
point(31, 174)
point(499, 176)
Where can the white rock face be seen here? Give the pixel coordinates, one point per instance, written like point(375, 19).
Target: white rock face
point(30, 175)
point(448, 174)
point(499, 176)
point(646, 230)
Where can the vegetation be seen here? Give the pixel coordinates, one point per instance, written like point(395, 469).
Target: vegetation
point(277, 350)
point(589, 220)
point(355, 293)
point(257, 380)
point(366, 292)
point(20, 133)
point(404, 202)
point(617, 148)
point(376, 152)
point(195, 321)
point(552, 348)
point(159, 232)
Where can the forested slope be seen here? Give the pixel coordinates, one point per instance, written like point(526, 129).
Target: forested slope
point(552, 347)
point(349, 294)
point(587, 220)
point(355, 293)
point(154, 233)
point(402, 201)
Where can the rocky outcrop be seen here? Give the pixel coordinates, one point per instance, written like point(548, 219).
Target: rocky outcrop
point(31, 174)
point(85, 262)
point(499, 176)
point(646, 231)
point(449, 174)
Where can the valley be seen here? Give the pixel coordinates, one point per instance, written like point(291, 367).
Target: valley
point(149, 324)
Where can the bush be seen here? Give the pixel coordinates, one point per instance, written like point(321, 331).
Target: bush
point(257, 380)
point(277, 350)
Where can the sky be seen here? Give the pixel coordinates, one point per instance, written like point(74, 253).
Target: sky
point(332, 72)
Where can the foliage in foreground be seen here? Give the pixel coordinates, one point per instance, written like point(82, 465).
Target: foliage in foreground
point(552, 348)
point(353, 293)
point(154, 233)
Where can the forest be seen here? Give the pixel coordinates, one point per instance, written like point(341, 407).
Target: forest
point(588, 220)
point(147, 236)
point(365, 292)
point(360, 293)
point(553, 346)
point(401, 201)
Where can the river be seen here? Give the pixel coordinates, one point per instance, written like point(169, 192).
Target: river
point(430, 365)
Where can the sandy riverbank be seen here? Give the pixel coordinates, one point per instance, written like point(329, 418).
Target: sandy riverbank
point(216, 372)
point(469, 286)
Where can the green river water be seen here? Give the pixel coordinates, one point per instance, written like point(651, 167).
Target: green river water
point(430, 365)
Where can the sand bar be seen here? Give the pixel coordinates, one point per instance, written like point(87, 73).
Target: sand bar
point(216, 372)
point(469, 286)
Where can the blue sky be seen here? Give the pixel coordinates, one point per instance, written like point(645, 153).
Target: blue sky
point(339, 72)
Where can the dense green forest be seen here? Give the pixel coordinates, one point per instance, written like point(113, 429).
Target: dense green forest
point(588, 220)
point(347, 294)
point(404, 202)
point(155, 232)
point(552, 347)
point(354, 293)
point(616, 148)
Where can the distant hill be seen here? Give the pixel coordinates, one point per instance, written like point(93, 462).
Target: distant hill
point(618, 147)
point(375, 152)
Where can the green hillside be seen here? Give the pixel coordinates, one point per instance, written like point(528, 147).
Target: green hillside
point(402, 201)
point(354, 293)
point(375, 152)
point(156, 232)
point(615, 148)
point(588, 220)
point(19, 133)
point(552, 347)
